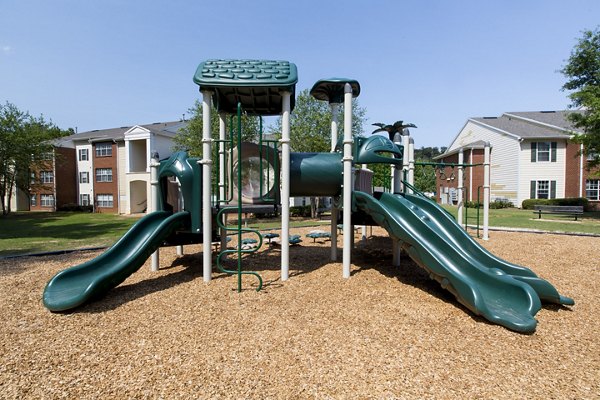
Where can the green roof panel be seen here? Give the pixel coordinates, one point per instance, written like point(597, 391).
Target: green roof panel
point(332, 89)
point(256, 84)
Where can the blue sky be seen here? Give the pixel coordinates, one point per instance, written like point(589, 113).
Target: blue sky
point(103, 64)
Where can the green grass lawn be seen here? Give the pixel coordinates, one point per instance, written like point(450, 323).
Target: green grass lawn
point(34, 232)
point(517, 218)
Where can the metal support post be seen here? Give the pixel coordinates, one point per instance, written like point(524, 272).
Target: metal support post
point(486, 191)
point(285, 186)
point(405, 156)
point(461, 188)
point(347, 160)
point(397, 169)
point(411, 163)
point(206, 163)
point(154, 200)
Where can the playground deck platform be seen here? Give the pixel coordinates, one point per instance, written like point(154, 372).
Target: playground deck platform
point(386, 333)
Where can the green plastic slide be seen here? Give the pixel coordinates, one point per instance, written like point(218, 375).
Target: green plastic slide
point(503, 293)
point(464, 242)
point(77, 285)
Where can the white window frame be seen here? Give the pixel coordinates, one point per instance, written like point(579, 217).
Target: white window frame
point(46, 200)
point(84, 199)
point(46, 177)
point(104, 175)
point(592, 189)
point(84, 155)
point(84, 177)
point(104, 149)
point(543, 152)
point(33, 200)
point(105, 200)
point(539, 189)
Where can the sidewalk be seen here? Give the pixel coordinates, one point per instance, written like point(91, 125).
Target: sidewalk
point(528, 230)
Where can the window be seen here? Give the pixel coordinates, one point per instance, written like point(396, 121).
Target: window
point(592, 189)
point(47, 156)
point(591, 156)
point(103, 174)
point(47, 200)
point(105, 200)
point(543, 190)
point(32, 179)
point(84, 177)
point(104, 150)
point(83, 155)
point(46, 176)
point(543, 151)
point(84, 199)
point(33, 200)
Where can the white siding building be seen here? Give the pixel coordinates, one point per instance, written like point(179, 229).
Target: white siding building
point(532, 155)
point(125, 172)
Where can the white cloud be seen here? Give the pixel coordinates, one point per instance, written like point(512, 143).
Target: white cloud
point(6, 49)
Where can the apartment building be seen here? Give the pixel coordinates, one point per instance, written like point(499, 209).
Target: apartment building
point(52, 182)
point(532, 157)
point(113, 165)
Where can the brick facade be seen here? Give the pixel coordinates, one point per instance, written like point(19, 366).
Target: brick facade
point(63, 188)
point(105, 188)
point(473, 176)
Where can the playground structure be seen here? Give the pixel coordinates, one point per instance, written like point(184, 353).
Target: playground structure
point(261, 177)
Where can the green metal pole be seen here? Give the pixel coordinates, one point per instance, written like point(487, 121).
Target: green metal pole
point(239, 188)
point(478, 204)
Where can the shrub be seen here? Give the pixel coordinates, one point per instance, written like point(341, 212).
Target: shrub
point(472, 204)
point(568, 201)
point(75, 207)
point(300, 211)
point(497, 204)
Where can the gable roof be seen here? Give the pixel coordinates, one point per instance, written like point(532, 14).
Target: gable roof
point(117, 134)
point(532, 124)
point(478, 144)
point(554, 119)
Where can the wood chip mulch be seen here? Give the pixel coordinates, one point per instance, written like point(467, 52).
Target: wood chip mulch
point(384, 333)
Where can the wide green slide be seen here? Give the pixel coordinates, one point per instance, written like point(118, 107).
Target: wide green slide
point(75, 286)
point(503, 293)
point(464, 242)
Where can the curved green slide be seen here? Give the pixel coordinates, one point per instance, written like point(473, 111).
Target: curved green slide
point(464, 242)
point(431, 241)
point(75, 286)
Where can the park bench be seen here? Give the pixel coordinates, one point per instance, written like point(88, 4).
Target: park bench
point(561, 210)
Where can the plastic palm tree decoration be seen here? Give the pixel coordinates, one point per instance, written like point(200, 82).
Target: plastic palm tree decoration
point(397, 127)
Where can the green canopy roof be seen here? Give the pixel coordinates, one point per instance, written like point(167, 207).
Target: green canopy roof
point(332, 89)
point(256, 84)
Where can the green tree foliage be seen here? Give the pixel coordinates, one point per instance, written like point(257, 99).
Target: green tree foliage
point(310, 127)
point(583, 80)
point(24, 141)
point(190, 137)
point(310, 124)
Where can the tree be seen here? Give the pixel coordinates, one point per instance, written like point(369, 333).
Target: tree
point(310, 127)
point(190, 137)
point(24, 141)
point(310, 124)
point(583, 79)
